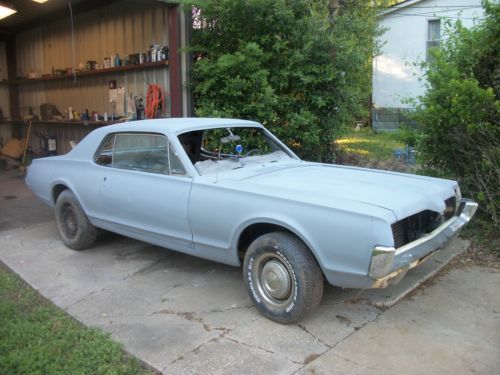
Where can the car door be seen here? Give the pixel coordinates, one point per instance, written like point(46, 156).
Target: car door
point(144, 189)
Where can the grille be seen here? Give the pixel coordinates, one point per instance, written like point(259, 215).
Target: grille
point(415, 226)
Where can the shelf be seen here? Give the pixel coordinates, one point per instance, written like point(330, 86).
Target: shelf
point(63, 122)
point(78, 122)
point(86, 73)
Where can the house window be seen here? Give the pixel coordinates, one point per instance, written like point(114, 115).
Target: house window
point(433, 35)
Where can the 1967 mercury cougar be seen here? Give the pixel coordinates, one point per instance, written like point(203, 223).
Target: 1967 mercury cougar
point(230, 191)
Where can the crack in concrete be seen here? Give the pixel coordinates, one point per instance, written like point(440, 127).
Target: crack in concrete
point(331, 347)
point(356, 329)
point(188, 315)
point(262, 349)
point(311, 357)
point(228, 309)
point(313, 335)
point(251, 346)
point(195, 350)
point(223, 331)
point(83, 298)
point(144, 269)
point(344, 320)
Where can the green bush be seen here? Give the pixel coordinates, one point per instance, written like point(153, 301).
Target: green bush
point(298, 66)
point(408, 135)
point(460, 112)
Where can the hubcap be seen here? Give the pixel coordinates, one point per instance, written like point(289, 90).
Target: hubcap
point(276, 280)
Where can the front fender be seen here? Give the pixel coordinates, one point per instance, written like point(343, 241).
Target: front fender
point(286, 223)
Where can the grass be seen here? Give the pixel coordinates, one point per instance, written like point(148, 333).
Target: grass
point(38, 338)
point(365, 142)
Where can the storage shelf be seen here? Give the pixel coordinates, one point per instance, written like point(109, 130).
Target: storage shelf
point(63, 122)
point(86, 73)
point(77, 122)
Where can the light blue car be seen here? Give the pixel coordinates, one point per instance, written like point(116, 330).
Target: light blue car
point(229, 191)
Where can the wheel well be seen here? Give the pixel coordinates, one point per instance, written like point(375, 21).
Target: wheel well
point(57, 190)
point(256, 230)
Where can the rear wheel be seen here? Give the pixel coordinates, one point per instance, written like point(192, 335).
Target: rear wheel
point(74, 227)
point(283, 278)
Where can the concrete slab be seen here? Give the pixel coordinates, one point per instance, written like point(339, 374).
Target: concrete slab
point(286, 341)
point(182, 314)
point(450, 328)
point(18, 207)
point(223, 356)
point(164, 306)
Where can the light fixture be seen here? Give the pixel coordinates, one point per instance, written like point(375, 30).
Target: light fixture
point(6, 11)
point(41, 1)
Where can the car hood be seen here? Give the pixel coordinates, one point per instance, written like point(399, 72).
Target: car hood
point(326, 184)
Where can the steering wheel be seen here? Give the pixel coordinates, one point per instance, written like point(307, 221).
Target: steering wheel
point(252, 151)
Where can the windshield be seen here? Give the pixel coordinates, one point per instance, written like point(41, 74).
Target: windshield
point(231, 148)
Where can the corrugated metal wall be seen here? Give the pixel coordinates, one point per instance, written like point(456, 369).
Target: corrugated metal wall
point(122, 28)
point(5, 129)
point(4, 89)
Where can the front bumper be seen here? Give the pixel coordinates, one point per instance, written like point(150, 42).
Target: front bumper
point(389, 265)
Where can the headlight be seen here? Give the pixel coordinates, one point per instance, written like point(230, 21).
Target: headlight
point(381, 262)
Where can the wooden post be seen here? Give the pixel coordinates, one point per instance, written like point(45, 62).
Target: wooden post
point(174, 61)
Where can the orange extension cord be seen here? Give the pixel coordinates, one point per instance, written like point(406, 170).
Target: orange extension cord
point(154, 101)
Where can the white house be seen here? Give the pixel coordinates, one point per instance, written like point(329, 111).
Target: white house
point(412, 27)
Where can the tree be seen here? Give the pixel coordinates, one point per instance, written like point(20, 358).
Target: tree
point(460, 112)
point(300, 67)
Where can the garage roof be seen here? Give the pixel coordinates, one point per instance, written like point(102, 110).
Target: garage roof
point(31, 14)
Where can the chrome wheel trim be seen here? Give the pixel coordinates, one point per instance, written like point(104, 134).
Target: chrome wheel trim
point(274, 280)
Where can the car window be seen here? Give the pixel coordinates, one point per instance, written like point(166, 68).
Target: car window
point(231, 143)
point(104, 156)
point(150, 153)
point(226, 141)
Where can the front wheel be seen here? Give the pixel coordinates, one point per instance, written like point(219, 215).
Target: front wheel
point(74, 227)
point(283, 278)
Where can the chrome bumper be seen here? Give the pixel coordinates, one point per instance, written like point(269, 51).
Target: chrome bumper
point(389, 265)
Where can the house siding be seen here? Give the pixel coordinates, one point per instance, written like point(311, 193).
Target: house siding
point(396, 77)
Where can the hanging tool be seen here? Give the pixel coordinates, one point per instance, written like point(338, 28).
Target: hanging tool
point(139, 108)
point(23, 163)
point(154, 101)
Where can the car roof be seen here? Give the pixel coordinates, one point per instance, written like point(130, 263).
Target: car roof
point(176, 125)
point(168, 126)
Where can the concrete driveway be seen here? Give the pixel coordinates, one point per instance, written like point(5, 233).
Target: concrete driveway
point(181, 314)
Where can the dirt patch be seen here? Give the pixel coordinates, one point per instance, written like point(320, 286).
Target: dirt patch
point(478, 255)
